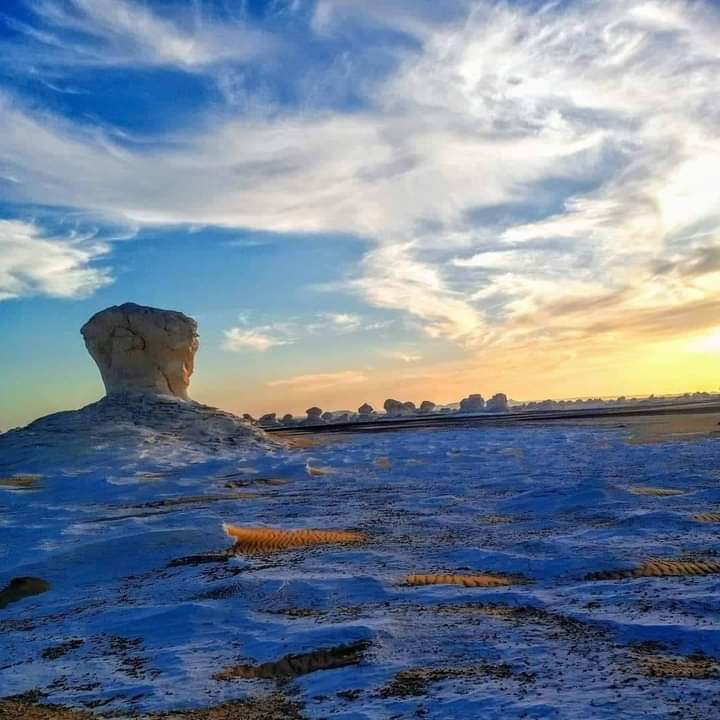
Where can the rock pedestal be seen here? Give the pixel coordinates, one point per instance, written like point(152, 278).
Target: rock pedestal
point(142, 349)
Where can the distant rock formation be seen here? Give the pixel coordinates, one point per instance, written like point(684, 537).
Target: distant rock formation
point(393, 408)
point(314, 415)
point(409, 408)
point(288, 419)
point(327, 416)
point(427, 406)
point(472, 403)
point(142, 349)
point(365, 411)
point(497, 403)
point(268, 420)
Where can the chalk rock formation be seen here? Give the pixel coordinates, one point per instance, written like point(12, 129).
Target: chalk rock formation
point(268, 420)
point(142, 349)
point(145, 357)
point(393, 408)
point(497, 403)
point(365, 411)
point(314, 416)
point(472, 403)
point(426, 406)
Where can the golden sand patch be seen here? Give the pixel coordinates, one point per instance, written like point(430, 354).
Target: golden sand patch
point(21, 482)
point(267, 707)
point(696, 667)
point(707, 517)
point(480, 580)
point(260, 539)
point(496, 519)
point(660, 568)
point(655, 491)
point(19, 710)
point(315, 471)
point(295, 665)
point(415, 681)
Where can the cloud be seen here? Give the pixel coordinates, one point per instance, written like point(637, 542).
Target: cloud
point(35, 263)
point(294, 329)
point(344, 322)
point(112, 33)
point(402, 355)
point(591, 124)
point(258, 339)
point(320, 381)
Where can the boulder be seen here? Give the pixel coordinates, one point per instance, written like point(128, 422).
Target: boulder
point(497, 403)
point(141, 349)
point(314, 416)
point(393, 408)
point(472, 403)
point(268, 420)
point(426, 406)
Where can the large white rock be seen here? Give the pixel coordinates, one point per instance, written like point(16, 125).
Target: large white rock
point(142, 349)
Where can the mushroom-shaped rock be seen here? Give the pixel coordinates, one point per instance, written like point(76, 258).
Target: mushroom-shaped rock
point(393, 408)
point(142, 349)
point(268, 420)
point(314, 415)
point(472, 403)
point(365, 410)
point(497, 403)
point(426, 406)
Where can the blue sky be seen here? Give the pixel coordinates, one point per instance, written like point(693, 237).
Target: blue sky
point(355, 198)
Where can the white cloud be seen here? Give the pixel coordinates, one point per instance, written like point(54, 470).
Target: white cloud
point(320, 381)
point(35, 263)
point(346, 322)
point(258, 339)
point(592, 122)
point(125, 32)
point(402, 355)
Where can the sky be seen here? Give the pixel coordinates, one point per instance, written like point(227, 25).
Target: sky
point(360, 200)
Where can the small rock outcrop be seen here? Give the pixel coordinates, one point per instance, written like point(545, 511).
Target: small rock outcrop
point(268, 420)
point(314, 415)
point(142, 349)
point(426, 406)
point(472, 403)
point(366, 410)
point(497, 403)
point(393, 408)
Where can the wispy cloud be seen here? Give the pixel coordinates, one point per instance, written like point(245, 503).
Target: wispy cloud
point(405, 356)
point(294, 329)
point(258, 339)
point(33, 262)
point(127, 33)
point(320, 381)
